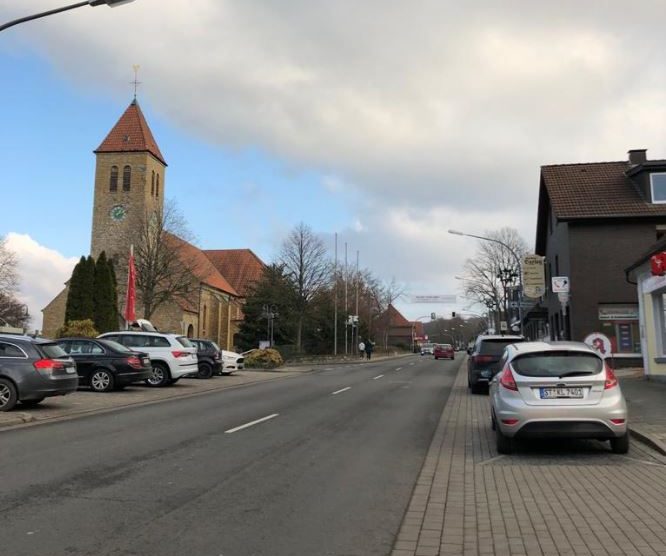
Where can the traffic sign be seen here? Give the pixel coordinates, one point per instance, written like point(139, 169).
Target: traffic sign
point(560, 284)
point(503, 326)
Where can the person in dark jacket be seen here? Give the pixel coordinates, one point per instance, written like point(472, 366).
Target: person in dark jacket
point(369, 348)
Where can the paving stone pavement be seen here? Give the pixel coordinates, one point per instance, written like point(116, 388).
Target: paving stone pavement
point(548, 498)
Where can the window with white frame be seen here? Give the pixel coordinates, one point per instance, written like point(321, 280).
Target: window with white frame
point(658, 187)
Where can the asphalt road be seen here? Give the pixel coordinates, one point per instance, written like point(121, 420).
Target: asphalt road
point(329, 471)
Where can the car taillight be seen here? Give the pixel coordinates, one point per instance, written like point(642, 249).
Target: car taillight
point(511, 421)
point(507, 380)
point(481, 359)
point(134, 362)
point(180, 353)
point(611, 380)
point(618, 421)
point(48, 365)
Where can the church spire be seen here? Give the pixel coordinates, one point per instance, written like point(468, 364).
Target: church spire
point(131, 134)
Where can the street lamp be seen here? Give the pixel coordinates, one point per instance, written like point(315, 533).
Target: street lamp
point(515, 256)
point(93, 3)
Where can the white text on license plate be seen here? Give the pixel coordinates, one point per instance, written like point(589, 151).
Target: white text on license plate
point(553, 393)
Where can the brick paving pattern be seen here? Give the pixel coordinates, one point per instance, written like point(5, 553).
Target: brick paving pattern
point(564, 498)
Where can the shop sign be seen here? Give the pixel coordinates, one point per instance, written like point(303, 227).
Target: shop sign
point(618, 312)
point(600, 343)
point(534, 281)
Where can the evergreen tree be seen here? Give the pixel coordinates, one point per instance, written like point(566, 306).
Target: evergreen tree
point(88, 289)
point(73, 308)
point(104, 296)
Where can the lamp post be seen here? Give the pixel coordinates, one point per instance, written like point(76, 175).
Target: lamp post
point(93, 3)
point(520, 268)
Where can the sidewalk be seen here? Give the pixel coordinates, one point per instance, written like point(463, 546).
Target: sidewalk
point(647, 407)
point(540, 501)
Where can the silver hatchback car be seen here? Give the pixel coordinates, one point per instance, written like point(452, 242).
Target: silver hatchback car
point(556, 390)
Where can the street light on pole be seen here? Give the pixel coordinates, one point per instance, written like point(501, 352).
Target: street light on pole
point(92, 3)
point(515, 256)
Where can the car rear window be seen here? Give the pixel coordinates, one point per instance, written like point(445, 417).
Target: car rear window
point(445, 346)
point(496, 347)
point(557, 363)
point(52, 351)
point(118, 347)
point(183, 341)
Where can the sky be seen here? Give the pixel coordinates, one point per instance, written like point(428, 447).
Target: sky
point(387, 122)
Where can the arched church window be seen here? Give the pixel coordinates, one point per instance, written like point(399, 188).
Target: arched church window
point(113, 179)
point(127, 178)
point(205, 319)
point(152, 184)
point(157, 185)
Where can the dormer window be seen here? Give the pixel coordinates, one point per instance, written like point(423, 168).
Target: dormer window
point(658, 187)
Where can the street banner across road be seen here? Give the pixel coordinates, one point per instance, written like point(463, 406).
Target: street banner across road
point(534, 282)
point(433, 298)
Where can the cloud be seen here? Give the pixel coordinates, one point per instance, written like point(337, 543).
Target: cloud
point(42, 273)
point(432, 111)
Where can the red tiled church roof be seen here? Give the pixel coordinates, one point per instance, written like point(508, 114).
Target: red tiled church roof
point(131, 134)
point(241, 267)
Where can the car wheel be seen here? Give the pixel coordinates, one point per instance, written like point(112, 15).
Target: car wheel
point(101, 381)
point(504, 443)
point(160, 377)
point(8, 395)
point(620, 445)
point(32, 403)
point(205, 371)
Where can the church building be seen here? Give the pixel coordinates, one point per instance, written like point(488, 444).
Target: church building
point(129, 185)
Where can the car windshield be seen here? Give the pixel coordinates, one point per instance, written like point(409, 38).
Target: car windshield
point(496, 347)
point(557, 364)
point(183, 341)
point(116, 346)
point(53, 351)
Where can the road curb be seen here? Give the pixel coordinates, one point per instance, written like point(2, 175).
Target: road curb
point(646, 438)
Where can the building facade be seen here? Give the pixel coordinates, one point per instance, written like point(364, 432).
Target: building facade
point(593, 219)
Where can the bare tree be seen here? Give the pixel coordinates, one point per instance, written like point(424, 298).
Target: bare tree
point(167, 269)
point(8, 273)
point(308, 268)
point(493, 270)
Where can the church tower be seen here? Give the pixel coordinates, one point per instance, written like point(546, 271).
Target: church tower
point(129, 183)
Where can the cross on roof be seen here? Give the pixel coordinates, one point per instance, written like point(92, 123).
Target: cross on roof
point(136, 81)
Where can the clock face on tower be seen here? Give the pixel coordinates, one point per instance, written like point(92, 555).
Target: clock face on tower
point(118, 213)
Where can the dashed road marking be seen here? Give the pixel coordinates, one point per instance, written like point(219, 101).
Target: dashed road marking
point(378, 377)
point(252, 423)
point(341, 390)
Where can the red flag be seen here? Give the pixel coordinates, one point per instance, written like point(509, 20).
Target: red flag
point(130, 300)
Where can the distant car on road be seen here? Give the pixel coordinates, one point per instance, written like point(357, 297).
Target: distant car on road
point(105, 365)
point(444, 351)
point(32, 369)
point(172, 356)
point(557, 389)
point(483, 362)
point(427, 349)
point(209, 357)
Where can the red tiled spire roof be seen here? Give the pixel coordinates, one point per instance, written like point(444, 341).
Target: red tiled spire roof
point(131, 134)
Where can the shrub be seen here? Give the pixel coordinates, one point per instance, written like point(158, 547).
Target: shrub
point(84, 328)
point(264, 359)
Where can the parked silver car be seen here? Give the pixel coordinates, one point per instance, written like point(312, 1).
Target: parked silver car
point(556, 390)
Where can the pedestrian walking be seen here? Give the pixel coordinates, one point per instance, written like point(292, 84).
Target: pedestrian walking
point(369, 347)
point(361, 349)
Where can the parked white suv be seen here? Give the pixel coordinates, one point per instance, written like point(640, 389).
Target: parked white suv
point(172, 356)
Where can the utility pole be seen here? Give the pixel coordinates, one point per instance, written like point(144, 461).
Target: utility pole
point(335, 303)
point(346, 302)
point(356, 311)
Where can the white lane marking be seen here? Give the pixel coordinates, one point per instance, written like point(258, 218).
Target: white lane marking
point(341, 390)
point(399, 368)
point(378, 377)
point(246, 425)
point(411, 363)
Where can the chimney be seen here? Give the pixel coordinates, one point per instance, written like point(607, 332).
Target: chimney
point(637, 156)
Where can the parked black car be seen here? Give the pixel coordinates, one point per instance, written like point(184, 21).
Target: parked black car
point(210, 358)
point(105, 365)
point(483, 363)
point(32, 369)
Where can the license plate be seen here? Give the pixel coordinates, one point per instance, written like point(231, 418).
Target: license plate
point(486, 374)
point(70, 370)
point(554, 393)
